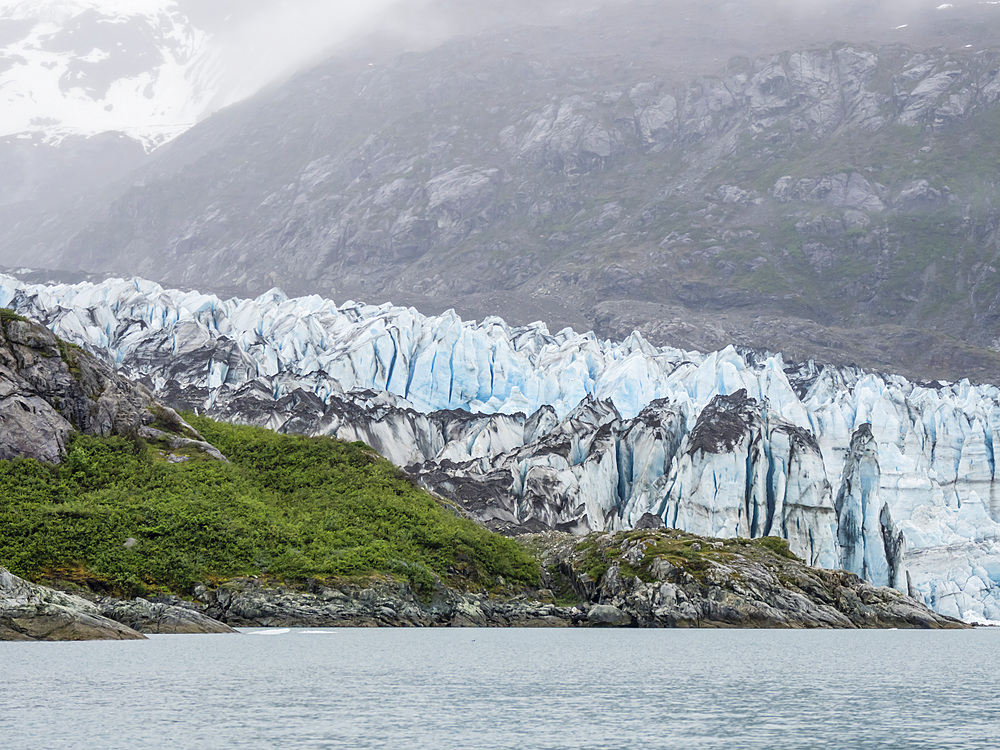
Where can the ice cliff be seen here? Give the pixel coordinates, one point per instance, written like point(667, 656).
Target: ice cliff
point(890, 479)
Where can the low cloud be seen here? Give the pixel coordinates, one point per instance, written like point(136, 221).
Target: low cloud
point(260, 42)
point(277, 39)
point(265, 41)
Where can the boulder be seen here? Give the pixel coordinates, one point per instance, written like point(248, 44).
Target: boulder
point(159, 617)
point(607, 615)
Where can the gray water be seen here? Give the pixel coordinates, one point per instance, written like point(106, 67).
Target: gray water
point(484, 689)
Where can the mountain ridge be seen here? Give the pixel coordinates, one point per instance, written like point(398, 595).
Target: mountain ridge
point(743, 208)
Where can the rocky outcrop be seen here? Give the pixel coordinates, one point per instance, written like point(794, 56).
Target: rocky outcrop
point(29, 612)
point(666, 578)
point(50, 389)
point(649, 578)
point(838, 190)
point(147, 617)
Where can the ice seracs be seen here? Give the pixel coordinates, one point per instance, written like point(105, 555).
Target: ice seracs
point(527, 429)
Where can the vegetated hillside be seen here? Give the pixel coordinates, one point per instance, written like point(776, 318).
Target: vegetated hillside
point(101, 485)
point(134, 517)
point(837, 201)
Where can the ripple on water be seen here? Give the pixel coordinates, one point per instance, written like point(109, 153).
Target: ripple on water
point(486, 689)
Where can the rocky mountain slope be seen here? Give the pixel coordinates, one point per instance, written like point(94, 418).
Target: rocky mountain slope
point(889, 479)
point(832, 201)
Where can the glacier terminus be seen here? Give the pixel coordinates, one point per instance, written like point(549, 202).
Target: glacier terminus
point(528, 430)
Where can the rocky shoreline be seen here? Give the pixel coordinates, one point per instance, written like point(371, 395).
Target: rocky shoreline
point(648, 578)
point(29, 612)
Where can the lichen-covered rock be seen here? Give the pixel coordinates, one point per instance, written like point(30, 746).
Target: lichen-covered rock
point(29, 612)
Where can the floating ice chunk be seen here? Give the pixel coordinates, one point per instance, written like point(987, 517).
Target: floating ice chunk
point(972, 618)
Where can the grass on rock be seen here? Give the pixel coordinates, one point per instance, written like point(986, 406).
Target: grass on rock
point(7, 315)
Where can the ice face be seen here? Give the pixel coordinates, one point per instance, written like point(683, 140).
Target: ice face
point(893, 481)
point(435, 363)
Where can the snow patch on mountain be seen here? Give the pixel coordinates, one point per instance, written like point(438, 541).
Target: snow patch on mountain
point(91, 66)
point(893, 480)
point(152, 69)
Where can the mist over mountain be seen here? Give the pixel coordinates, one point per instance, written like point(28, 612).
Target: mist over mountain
point(808, 177)
point(89, 87)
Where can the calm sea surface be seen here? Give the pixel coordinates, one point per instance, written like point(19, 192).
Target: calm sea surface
point(531, 689)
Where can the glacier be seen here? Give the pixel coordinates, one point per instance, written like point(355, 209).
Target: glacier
point(527, 429)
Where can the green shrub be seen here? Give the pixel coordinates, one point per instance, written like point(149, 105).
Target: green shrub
point(286, 506)
point(777, 545)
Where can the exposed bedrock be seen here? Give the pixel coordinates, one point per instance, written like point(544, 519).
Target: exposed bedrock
point(29, 612)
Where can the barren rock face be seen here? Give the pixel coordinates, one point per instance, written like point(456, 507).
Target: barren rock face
point(31, 428)
point(49, 389)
